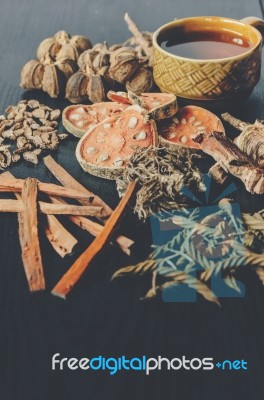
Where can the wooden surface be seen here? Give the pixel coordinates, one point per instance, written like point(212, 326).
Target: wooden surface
point(100, 317)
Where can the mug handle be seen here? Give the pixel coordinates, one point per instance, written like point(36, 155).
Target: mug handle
point(256, 22)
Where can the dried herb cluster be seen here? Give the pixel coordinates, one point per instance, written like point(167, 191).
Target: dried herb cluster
point(57, 61)
point(161, 175)
point(26, 130)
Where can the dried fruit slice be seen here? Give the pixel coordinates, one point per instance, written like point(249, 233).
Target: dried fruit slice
point(181, 129)
point(106, 148)
point(158, 105)
point(120, 97)
point(77, 119)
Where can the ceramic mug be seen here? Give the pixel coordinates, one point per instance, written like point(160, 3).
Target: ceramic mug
point(210, 81)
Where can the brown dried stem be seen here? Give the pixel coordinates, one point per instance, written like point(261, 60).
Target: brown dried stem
point(139, 38)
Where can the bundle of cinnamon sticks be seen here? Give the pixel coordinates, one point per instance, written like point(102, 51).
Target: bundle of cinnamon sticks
point(29, 204)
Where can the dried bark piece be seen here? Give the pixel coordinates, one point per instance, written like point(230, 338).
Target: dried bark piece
point(15, 185)
point(94, 228)
point(60, 239)
point(28, 236)
point(233, 160)
point(52, 209)
point(78, 119)
point(186, 125)
point(67, 180)
point(105, 149)
point(75, 272)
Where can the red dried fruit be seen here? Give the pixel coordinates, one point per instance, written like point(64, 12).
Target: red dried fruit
point(186, 125)
point(77, 119)
point(158, 105)
point(106, 148)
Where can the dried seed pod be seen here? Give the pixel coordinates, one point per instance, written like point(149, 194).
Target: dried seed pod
point(49, 47)
point(95, 89)
point(62, 37)
point(86, 59)
point(141, 81)
point(123, 64)
point(68, 67)
point(32, 75)
point(82, 43)
point(76, 88)
point(68, 51)
point(53, 81)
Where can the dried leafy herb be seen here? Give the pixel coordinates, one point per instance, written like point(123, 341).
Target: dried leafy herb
point(161, 175)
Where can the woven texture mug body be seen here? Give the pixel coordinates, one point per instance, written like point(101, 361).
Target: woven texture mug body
point(209, 79)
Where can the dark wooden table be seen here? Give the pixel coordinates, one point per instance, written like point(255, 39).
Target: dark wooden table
point(100, 317)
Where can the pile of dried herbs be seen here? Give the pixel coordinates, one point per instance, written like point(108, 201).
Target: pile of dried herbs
point(161, 174)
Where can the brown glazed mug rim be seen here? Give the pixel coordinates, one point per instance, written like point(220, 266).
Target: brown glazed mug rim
point(202, 19)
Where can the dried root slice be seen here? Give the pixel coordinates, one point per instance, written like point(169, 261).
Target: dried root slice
point(28, 236)
point(106, 148)
point(187, 124)
point(5, 157)
point(233, 160)
point(158, 105)
point(77, 119)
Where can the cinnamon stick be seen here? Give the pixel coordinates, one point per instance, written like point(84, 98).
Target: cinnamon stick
point(28, 236)
point(60, 239)
point(75, 272)
point(51, 209)
point(94, 228)
point(68, 181)
point(15, 185)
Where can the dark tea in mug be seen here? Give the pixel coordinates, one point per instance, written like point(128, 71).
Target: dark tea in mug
point(203, 44)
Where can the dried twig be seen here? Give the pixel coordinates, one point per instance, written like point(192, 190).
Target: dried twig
point(28, 235)
point(139, 38)
point(72, 276)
